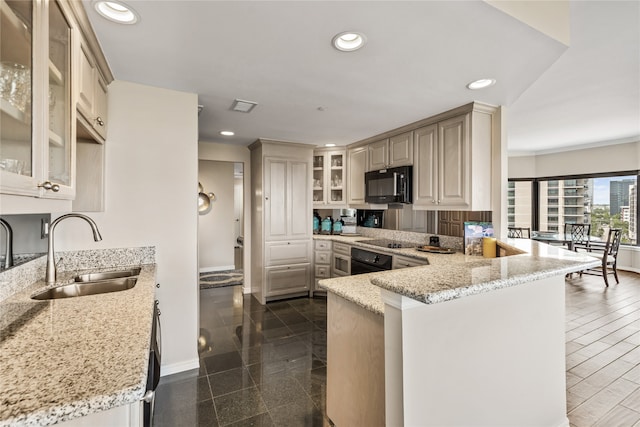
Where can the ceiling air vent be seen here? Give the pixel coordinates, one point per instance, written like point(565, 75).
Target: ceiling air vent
point(243, 106)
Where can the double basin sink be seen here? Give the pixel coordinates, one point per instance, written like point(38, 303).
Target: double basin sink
point(93, 284)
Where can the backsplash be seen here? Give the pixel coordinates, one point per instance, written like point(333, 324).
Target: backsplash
point(449, 242)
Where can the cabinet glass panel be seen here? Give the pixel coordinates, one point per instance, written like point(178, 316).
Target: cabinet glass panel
point(337, 177)
point(318, 178)
point(16, 52)
point(59, 96)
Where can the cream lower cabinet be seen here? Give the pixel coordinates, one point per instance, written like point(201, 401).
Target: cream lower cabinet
point(281, 219)
point(452, 161)
point(399, 261)
point(321, 263)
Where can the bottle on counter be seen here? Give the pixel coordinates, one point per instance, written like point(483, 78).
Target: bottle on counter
point(337, 226)
point(316, 222)
point(326, 225)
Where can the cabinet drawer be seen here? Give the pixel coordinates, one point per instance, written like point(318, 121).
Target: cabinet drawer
point(323, 245)
point(323, 257)
point(287, 279)
point(323, 271)
point(404, 262)
point(289, 252)
point(342, 248)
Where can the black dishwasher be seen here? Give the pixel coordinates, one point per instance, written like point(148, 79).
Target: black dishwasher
point(153, 372)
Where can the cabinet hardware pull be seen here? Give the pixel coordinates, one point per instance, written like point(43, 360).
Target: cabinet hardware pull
point(157, 285)
point(47, 185)
point(100, 121)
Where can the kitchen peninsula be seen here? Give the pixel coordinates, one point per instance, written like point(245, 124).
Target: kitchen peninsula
point(466, 340)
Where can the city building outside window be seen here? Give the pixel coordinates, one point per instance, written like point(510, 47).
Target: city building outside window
point(603, 201)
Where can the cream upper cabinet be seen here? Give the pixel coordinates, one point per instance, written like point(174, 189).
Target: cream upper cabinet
point(92, 95)
point(357, 166)
point(329, 179)
point(452, 169)
point(36, 137)
point(391, 152)
point(286, 190)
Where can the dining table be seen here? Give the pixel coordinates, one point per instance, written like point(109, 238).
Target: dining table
point(563, 239)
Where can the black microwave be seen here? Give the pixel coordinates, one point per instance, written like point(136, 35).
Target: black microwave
point(391, 185)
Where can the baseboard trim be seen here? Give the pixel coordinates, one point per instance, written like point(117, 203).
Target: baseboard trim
point(564, 423)
point(221, 268)
point(175, 368)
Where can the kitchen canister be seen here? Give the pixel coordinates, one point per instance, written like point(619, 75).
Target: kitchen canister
point(326, 225)
point(337, 226)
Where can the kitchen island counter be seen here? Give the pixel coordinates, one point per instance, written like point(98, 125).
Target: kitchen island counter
point(467, 340)
point(67, 358)
point(452, 276)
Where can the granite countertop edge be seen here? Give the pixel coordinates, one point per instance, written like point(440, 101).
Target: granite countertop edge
point(407, 281)
point(102, 396)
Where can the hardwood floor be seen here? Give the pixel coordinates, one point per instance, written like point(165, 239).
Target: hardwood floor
point(603, 351)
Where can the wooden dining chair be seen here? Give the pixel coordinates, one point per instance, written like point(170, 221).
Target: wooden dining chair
point(609, 255)
point(579, 234)
point(518, 232)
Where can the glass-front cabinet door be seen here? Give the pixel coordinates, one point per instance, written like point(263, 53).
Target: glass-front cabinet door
point(17, 169)
point(329, 185)
point(36, 141)
point(59, 99)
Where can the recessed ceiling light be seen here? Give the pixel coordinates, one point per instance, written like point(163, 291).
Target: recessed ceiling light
point(243, 106)
point(481, 84)
point(227, 133)
point(116, 11)
point(329, 145)
point(349, 41)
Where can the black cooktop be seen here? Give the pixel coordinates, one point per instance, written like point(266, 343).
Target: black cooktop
point(388, 243)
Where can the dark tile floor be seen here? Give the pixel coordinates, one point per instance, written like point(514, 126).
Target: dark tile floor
point(259, 365)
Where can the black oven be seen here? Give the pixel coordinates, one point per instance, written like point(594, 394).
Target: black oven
point(153, 372)
point(391, 185)
point(363, 261)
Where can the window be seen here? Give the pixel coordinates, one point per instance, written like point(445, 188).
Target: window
point(603, 200)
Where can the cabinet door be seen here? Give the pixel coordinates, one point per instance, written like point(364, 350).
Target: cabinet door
point(336, 179)
point(299, 209)
point(319, 194)
point(453, 164)
point(19, 161)
point(379, 155)
point(86, 86)
point(60, 151)
point(401, 150)
point(287, 279)
point(101, 101)
point(358, 158)
point(425, 171)
point(275, 199)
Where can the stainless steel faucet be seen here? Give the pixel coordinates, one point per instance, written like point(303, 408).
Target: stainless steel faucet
point(8, 253)
point(50, 275)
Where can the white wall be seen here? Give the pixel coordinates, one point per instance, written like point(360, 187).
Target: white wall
point(216, 229)
point(241, 154)
point(605, 158)
point(595, 159)
point(151, 199)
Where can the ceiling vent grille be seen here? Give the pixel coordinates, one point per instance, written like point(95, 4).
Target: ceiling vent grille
point(243, 106)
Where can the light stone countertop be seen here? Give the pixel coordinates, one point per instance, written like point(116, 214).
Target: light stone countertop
point(66, 358)
point(457, 275)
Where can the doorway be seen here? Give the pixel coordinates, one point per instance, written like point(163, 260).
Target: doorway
point(221, 226)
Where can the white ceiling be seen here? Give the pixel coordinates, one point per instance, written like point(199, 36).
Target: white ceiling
point(418, 59)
